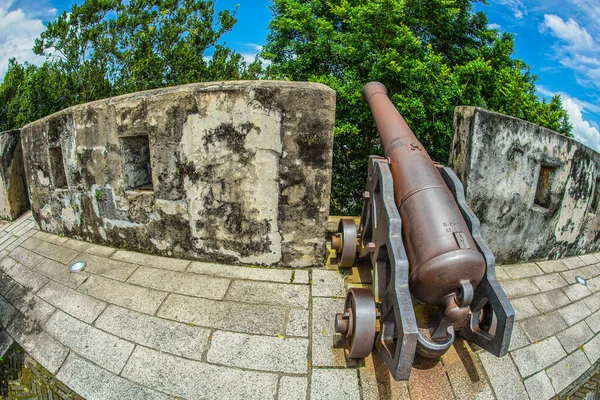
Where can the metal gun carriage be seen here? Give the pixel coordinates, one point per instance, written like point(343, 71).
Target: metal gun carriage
point(433, 274)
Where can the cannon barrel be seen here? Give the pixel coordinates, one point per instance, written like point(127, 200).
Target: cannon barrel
point(441, 252)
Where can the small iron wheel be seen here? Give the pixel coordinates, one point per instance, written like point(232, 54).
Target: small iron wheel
point(358, 322)
point(344, 242)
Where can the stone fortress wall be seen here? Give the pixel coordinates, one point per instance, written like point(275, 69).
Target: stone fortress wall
point(536, 192)
point(241, 171)
point(13, 186)
point(233, 172)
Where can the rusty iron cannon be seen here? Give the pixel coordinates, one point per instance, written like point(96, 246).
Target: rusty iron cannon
point(433, 274)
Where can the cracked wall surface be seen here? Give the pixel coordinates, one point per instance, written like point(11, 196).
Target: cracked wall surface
point(232, 172)
point(13, 188)
point(536, 192)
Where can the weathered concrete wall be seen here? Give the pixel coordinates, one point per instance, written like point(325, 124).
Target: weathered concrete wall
point(536, 192)
point(13, 189)
point(233, 172)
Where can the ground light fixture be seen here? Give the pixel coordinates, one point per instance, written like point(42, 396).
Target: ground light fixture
point(581, 280)
point(77, 266)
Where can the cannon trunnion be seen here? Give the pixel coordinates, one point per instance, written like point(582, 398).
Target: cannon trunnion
point(432, 271)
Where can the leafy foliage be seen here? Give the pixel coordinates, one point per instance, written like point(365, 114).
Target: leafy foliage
point(432, 55)
point(103, 48)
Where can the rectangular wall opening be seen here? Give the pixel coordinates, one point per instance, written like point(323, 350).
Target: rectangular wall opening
point(544, 186)
point(57, 168)
point(595, 198)
point(135, 151)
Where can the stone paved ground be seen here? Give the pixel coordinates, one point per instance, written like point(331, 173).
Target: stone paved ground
point(139, 326)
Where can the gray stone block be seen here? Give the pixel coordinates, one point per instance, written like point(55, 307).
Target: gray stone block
point(588, 259)
point(47, 237)
point(300, 277)
point(573, 262)
point(576, 292)
point(123, 294)
point(519, 288)
point(465, 373)
point(591, 270)
point(148, 260)
point(292, 388)
point(544, 325)
point(575, 336)
point(501, 274)
point(593, 321)
point(263, 353)
point(524, 308)
point(549, 282)
point(268, 293)
point(592, 349)
point(106, 350)
point(297, 323)
point(246, 273)
point(195, 380)
point(20, 240)
point(564, 373)
point(7, 311)
point(327, 346)
point(27, 277)
point(169, 336)
point(79, 305)
point(60, 273)
point(46, 350)
point(30, 305)
point(593, 302)
point(538, 356)
point(95, 383)
point(49, 250)
point(180, 282)
point(334, 384)
point(539, 386)
point(519, 271)
point(327, 284)
point(107, 267)
point(369, 386)
point(570, 276)
point(6, 342)
point(26, 257)
point(573, 313)
point(91, 248)
point(248, 318)
point(549, 301)
point(503, 376)
point(518, 338)
point(6, 263)
point(6, 283)
point(552, 266)
point(594, 284)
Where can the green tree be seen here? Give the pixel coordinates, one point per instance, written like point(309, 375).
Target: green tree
point(432, 55)
point(165, 42)
point(103, 48)
point(29, 93)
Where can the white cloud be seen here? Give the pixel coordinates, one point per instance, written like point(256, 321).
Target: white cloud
point(17, 35)
point(577, 49)
point(584, 132)
point(576, 36)
point(493, 26)
point(516, 6)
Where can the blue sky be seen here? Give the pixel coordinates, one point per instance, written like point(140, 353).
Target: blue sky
point(558, 38)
